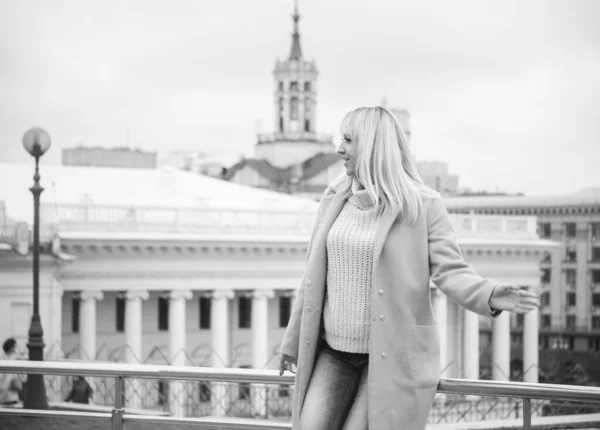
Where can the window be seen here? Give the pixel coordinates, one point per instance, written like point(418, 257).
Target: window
point(520, 318)
point(544, 342)
point(596, 276)
point(438, 184)
point(280, 87)
point(571, 299)
point(120, 305)
point(294, 108)
point(163, 313)
point(205, 308)
point(546, 321)
point(571, 322)
point(244, 393)
point(570, 230)
point(547, 258)
point(293, 86)
point(163, 392)
point(307, 86)
point(544, 230)
point(204, 392)
point(596, 322)
point(595, 231)
point(546, 277)
point(571, 256)
point(75, 314)
point(244, 312)
point(545, 298)
point(285, 309)
point(596, 254)
point(307, 114)
point(571, 277)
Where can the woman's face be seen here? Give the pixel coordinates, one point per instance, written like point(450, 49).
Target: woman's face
point(348, 150)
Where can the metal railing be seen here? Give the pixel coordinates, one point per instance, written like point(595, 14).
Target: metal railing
point(119, 416)
point(199, 220)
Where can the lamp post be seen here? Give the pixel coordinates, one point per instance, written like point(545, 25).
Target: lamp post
point(36, 141)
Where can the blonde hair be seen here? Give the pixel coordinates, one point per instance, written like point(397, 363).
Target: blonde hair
point(385, 165)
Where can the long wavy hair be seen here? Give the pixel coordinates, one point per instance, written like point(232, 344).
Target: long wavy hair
point(385, 165)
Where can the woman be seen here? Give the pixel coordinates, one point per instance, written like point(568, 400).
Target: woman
point(362, 330)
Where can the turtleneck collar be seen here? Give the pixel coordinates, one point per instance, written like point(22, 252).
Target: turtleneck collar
point(360, 197)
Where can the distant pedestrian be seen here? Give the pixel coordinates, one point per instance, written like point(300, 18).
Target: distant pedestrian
point(81, 391)
point(11, 387)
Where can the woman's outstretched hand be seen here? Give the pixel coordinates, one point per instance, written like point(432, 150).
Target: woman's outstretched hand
point(285, 363)
point(514, 299)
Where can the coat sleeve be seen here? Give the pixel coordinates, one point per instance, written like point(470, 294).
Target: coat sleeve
point(291, 338)
point(449, 272)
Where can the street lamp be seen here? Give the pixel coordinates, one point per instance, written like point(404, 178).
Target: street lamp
point(36, 141)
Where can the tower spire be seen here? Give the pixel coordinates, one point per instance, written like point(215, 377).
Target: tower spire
point(296, 52)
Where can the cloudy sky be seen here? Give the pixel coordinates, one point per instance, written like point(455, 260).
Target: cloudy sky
point(507, 91)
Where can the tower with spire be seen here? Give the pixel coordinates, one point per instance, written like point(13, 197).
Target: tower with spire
point(294, 138)
point(294, 158)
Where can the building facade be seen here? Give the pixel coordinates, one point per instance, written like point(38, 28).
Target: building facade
point(570, 279)
point(177, 268)
point(93, 156)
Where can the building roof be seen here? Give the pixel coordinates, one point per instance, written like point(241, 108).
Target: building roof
point(307, 169)
point(588, 198)
point(160, 188)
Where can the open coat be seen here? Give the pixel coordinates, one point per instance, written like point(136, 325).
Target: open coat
point(404, 356)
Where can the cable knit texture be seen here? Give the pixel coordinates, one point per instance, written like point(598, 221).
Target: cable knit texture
point(350, 248)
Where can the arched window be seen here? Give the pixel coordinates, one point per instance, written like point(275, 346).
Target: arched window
point(307, 114)
point(294, 108)
point(307, 86)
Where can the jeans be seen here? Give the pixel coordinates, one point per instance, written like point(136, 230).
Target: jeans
point(337, 392)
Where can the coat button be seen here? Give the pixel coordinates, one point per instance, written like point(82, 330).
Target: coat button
point(383, 355)
point(309, 282)
point(382, 318)
point(308, 342)
point(381, 292)
point(309, 308)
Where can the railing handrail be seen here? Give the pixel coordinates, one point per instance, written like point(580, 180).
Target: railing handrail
point(150, 371)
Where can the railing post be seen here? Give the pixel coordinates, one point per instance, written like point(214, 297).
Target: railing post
point(118, 411)
point(526, 413)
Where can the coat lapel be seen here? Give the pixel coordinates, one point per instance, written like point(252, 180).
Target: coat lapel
point(387, 219)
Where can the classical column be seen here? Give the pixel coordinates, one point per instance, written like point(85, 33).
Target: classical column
point(177, 347)
point(87, 323)
point(530, 346)
point(501, 347)
point(470, 345)
point(133, 340)
point(219, 321)
point(260, 345)
point(440, 307)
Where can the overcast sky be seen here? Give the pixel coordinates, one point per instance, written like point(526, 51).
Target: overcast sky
point(507, 92)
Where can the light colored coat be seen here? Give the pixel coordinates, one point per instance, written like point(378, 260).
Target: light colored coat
point(404, 361)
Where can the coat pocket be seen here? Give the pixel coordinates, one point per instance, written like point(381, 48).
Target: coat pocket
point(425, 355)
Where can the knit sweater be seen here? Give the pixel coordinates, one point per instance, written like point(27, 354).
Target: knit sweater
point(350, 249)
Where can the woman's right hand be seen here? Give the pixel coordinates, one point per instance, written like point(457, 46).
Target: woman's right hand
point(285, 363)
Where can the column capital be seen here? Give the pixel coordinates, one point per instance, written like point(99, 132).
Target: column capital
point(180, 294)
point(263, 294)
point(136, 294)
point(91, 295)
point(223, 294)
